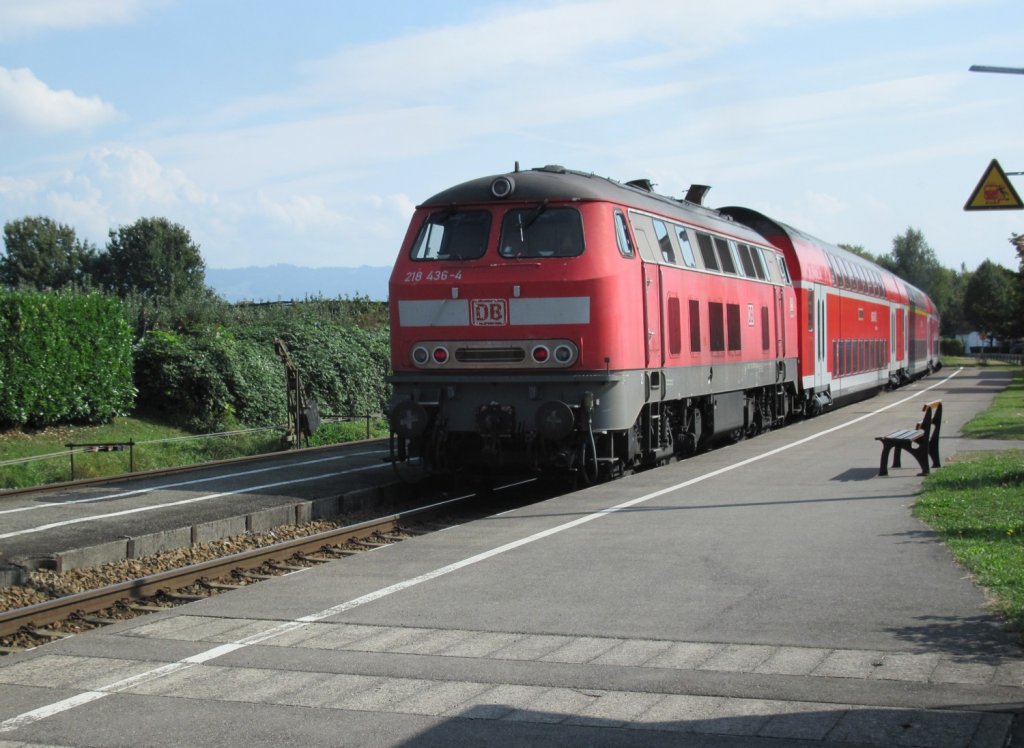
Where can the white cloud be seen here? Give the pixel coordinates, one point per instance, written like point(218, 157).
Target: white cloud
point(133, 177)
point(19, 18)
point(302, 213)
point(27, 102)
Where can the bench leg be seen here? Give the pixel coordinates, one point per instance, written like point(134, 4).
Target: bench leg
point(920, 453)
point(883, 468)
point(896, 458)
point(933, 452)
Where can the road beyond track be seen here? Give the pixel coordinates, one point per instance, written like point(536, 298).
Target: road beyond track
point(775, 592)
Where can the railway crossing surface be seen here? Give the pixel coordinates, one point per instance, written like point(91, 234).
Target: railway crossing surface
point(775, 592)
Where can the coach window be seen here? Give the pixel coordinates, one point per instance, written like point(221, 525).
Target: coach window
point(725, 256)
point(831, 268)
point(450, 235)
point(622, 235)
point(542, 232)
point(664, 243)
point(684, 246)
point(707, 251)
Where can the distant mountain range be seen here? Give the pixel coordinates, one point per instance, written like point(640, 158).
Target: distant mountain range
point(291, 282)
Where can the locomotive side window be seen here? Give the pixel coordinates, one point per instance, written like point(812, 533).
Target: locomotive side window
point(675, 337)
point(732, 313)
point(684, 246)
point(717, 326)
point(541, 232)
point(622, 235)
point(449, 235)
point(760, 266)
point(725, 256)
point(784, 270)
point(707, 251)
point(694, 326)
point(664, 243)
point(746, 261)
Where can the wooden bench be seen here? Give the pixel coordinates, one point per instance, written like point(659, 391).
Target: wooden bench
point(922, 441)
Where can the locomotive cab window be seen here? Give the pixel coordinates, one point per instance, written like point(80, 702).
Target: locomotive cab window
point(622, 235)
point(541, 232)
point(453, 235)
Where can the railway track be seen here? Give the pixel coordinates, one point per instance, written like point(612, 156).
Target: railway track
point(27, 627)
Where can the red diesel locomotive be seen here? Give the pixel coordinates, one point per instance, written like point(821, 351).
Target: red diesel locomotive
point(559, 321)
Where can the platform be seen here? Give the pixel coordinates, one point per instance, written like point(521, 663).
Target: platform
point(774, 590)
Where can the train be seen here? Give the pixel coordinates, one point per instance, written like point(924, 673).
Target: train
point(560, 322)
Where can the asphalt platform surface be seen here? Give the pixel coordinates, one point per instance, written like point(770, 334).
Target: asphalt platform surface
point(772, 593)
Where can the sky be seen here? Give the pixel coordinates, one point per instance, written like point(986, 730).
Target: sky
point(306, 132)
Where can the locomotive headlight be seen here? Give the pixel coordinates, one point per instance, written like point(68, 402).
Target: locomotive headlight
point(420, 355)
point(440, 355)
point(541, 354)
point(564, 354)
point(502, 187)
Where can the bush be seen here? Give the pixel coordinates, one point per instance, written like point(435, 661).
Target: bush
point(951, 347)
point(178, 379)
point(64, 358)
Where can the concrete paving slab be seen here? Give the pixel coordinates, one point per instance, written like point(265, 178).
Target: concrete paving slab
point(581, 649)
point(793, 661)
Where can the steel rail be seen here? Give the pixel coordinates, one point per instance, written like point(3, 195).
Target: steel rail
point(91, 601)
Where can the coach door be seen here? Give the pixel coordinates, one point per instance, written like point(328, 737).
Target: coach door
point(819, 323)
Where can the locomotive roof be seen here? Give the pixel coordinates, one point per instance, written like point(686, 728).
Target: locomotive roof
point(554, 182)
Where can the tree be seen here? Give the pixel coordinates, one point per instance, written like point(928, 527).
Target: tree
point(42, 254)
point(912, 259)
point(859, 250)
point(152, 257)
point(990, 300)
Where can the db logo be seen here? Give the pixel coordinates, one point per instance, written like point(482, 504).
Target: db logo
point(490, 312)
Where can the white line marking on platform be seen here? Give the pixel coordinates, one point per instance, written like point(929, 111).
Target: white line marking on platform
point(179, 484)
point(30, 717)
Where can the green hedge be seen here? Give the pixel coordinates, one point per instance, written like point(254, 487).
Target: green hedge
point(212, 381)
point(951, 347)
point(64, 358)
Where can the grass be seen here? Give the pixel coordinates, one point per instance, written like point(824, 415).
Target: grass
point(976, 505)
point(1005, 419)
point(156, 445)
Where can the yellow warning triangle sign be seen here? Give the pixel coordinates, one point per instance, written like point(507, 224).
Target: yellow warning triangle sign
point(994, 191)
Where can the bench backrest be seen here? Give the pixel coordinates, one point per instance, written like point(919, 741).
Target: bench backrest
point(932, 418)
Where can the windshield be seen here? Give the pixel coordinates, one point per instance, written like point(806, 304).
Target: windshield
point(453, 235)
point(541, 232)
